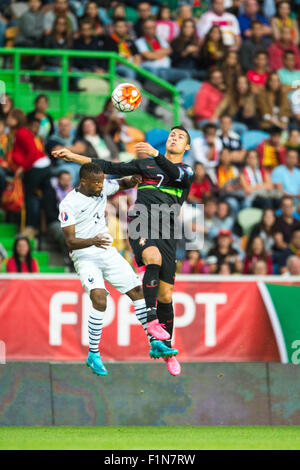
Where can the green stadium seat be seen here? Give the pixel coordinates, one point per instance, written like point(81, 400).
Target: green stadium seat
point(8, 230)
point(42, 257)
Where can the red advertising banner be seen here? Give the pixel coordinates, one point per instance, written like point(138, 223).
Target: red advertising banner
point(45, 318)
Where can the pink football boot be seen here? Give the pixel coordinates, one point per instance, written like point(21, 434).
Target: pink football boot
point(173, 365)
point(155, 329)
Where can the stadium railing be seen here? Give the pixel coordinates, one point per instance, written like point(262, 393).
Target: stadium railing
point(15, 70)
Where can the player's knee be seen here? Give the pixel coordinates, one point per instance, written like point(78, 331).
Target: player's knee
point(165, 297)
point(98, 299)
point(136, 293)
point(151, 256)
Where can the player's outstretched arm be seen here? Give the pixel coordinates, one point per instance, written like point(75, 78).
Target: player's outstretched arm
point(120, 169)
point(69, 156)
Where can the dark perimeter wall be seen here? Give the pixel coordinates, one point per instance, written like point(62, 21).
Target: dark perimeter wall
point(146, 394)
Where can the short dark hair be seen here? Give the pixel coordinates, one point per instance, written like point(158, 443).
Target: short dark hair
point(253, 23)
point(63, 172)
point(286, 198)
point(288, 52)
point(260, 52)
point(88, 169)
point(209, 125)
point(181, 128)
point(40, 97)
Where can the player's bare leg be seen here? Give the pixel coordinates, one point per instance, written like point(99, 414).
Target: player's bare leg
point(152, 260)
point(95, 324)
point(165, 313)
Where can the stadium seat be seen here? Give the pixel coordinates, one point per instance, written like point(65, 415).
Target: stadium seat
point(8, 230)
point(247, 218)
point(52, 269)
point(157, 138)
point(8, 243)
point(251, 139)
point(187, 89)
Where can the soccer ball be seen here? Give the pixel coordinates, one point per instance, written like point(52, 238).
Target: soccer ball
point(126, 97)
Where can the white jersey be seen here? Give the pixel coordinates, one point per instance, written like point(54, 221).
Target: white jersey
point(87, 214)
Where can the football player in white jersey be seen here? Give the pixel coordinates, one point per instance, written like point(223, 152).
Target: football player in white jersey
point(82, 218)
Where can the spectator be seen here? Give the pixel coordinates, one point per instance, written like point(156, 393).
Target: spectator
point(208, 98)
point(259, 74)
point(185, 48)
point(36, 166)
point(155, 54)
point(210, 210)
point(227, 179)
point(91, 13)
point(212, 51)
point(41, 104)
point(256, 182)
point(231, 69)
point(273, 106)
point(166, 28)
point(283, 19)
point(185, 12)
point(259, 268)
point(192, 264)
point(230, 139)
point(227, 22)
point(3, 255)
point(6, 105)
point(290, 80)
point(292, 266)
point(271, 152)
point(293, 249)
point(223, 220)
point(265, 229)
point(256, 251)
point(90, 141)
point(240, 105)
point(224, 251)
point(211, 265)
point(255, 43)
point(58, 38)
point(206, 148)
point(63, 185)
point(31, 26)
point(201, 185)
point(285, 224)
point(60, 8)
point(286, 177)
point(22, 260)
point(87, 42)
point(277, 49)
point(63, 137)
point(293, 140)
point(119, 42)
point(225, 269)
point(250, 15)
point(144, 13)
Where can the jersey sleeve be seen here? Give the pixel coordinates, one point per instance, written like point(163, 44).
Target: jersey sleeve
point(183, 175)
point(111, 187)
point(121, 169)
point(66, 215)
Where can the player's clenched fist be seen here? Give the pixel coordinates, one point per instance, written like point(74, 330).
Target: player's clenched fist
point(144, 147)
point(63, 153)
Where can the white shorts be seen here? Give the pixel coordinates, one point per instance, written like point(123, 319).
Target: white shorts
point(108, 266)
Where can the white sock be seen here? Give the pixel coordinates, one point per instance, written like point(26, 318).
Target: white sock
point(141, 314)
point(95, 324)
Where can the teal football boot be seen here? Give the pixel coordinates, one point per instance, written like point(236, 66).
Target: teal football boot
point(160, 349)
point(95, 363)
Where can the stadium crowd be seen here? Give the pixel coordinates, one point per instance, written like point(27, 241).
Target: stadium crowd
point(245, 57)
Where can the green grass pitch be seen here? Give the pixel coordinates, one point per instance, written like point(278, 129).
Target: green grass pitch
point(151, 438)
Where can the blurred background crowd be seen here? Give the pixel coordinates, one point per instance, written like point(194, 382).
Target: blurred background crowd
point(237, 66)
